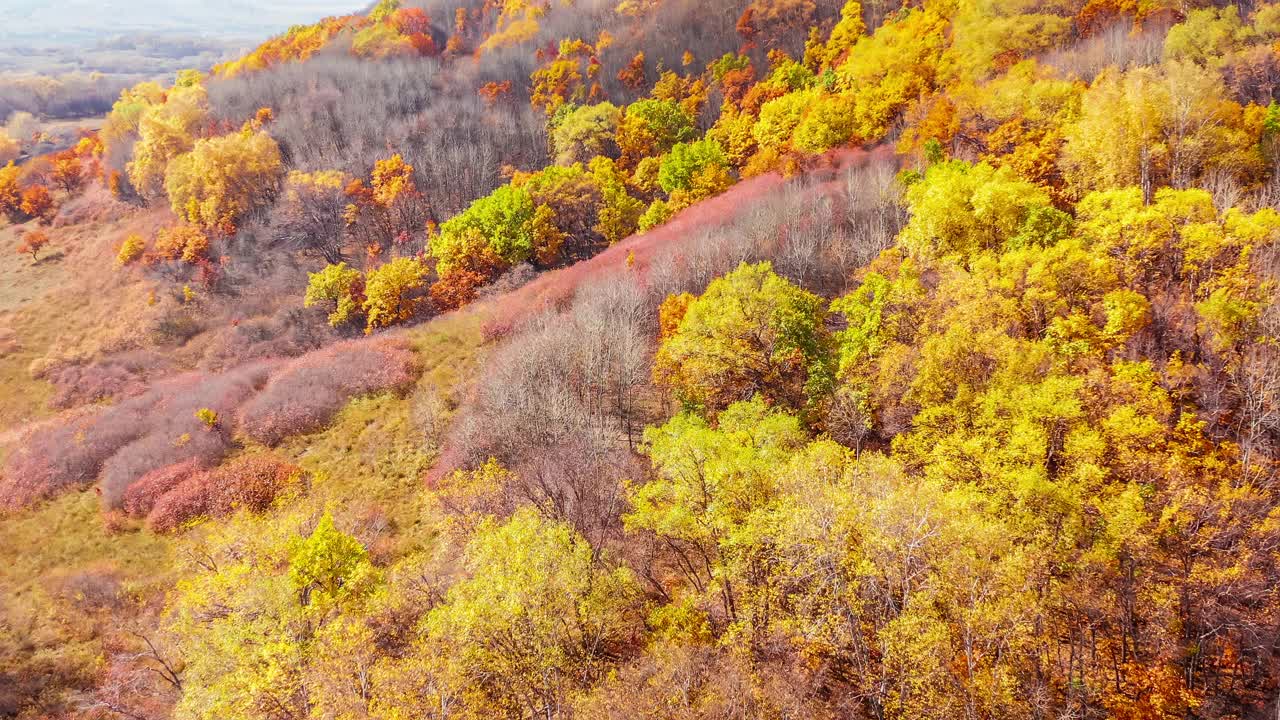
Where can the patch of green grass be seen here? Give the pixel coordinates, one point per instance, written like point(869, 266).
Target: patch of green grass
point(375, 454)
point(67, 533)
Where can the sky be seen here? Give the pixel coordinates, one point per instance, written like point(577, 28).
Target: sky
point(81, 21)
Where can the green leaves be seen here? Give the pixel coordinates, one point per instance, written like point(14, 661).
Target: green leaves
point(341, 285)
point(329, 566)
point(687, 160)
point(750, 332)
point(501, 224)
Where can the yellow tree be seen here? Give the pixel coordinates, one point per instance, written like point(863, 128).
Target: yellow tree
point(393, 292)
point(961, 209)
point(165, 131)
point(9, 147)
point(534, 620)
point(268, 603)
point(10, 190)
point(223, 178)
point(1150, 127)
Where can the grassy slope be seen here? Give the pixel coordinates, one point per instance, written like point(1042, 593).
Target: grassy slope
point(70, 302)
point(368, 466)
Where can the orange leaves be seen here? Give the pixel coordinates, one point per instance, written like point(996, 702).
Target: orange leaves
point(32, 242)
point(769, 21)
point(411, 21)
point(457, 288)
point(633, 74)
point(491, 91)
point(299, 43)
point(262, 118)
point(671, 312)
point(1099, 14)
point(37, 203)
point(184, 242)
point(1150, 691)
point(68, 171)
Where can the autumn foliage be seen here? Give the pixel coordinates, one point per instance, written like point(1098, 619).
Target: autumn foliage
point(304, 394)
point(174, 496)
point(803, 360)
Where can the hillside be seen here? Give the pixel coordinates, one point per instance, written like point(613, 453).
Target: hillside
point(769, 359)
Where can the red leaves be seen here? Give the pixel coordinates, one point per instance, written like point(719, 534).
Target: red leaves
point(491, 91)
point(173, 496)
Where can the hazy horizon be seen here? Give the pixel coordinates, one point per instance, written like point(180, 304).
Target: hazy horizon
point(71, 22)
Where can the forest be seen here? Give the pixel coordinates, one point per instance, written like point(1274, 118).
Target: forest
point(570, 360)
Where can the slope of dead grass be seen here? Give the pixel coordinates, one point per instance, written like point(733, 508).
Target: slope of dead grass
point(69, 303)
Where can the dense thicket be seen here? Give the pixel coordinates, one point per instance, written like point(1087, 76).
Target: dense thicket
point(838, 362)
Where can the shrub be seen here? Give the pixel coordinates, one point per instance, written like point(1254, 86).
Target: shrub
point(250, 483)
point(181, 242)
point(159, 449)
point(82, 384)
point(141, 497)
point(131, 249)
point(308, 391)
point(67, 452)
point(174, 433)
point(127, 440)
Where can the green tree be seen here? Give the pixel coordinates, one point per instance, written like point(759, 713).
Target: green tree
point(341, 286)
point(750, 332)
point(535, 618)
point(500, 223)
point(687, 160)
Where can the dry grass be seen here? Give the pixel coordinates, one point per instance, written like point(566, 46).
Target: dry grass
point(71, 303)
point(372, 458)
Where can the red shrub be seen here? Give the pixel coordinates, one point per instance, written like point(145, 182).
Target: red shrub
point(141, 496)
point(180, 505)
point(306, 393)
point(250, 483)
point(175, 434)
